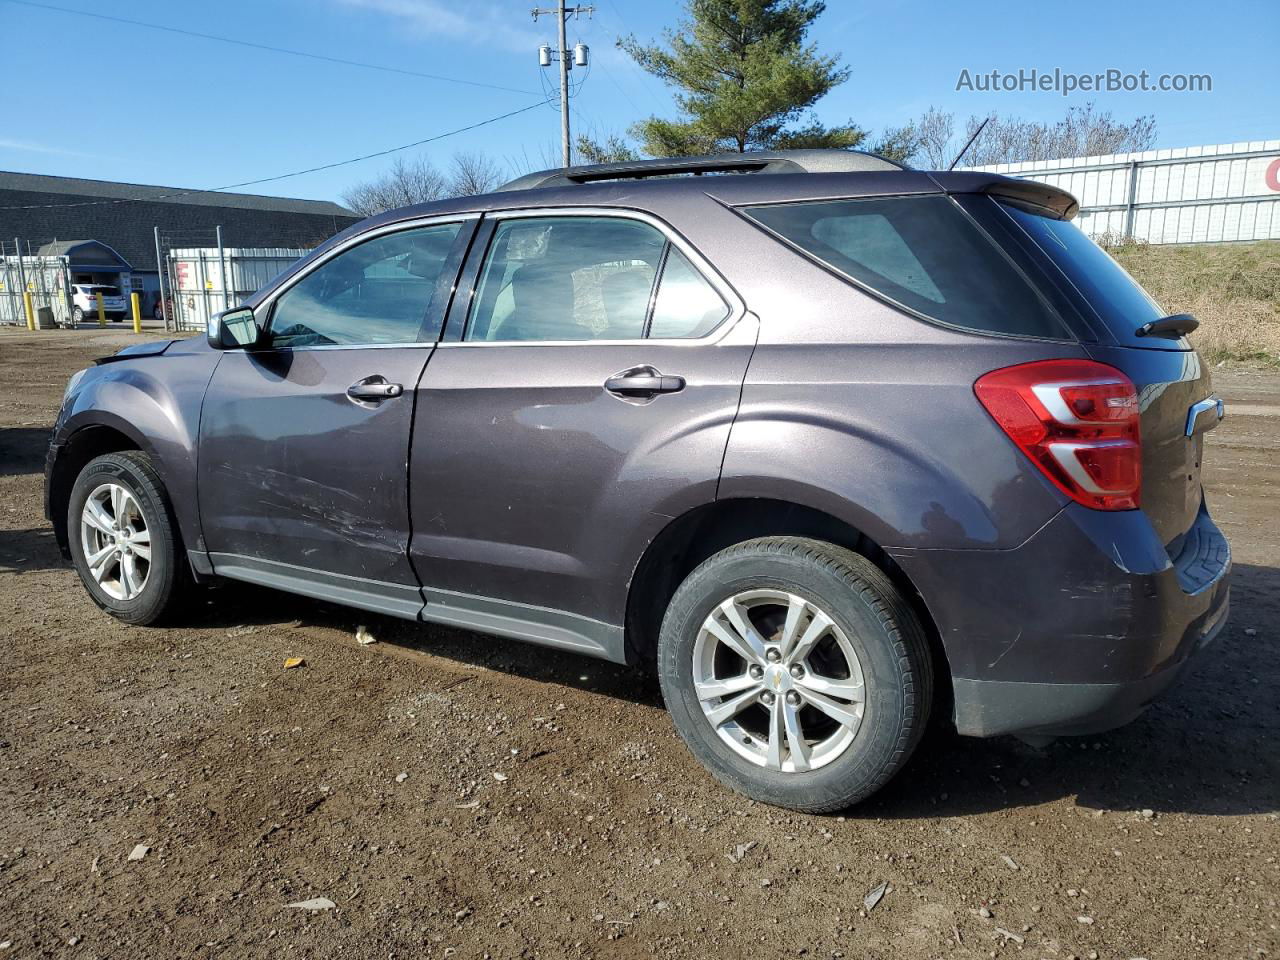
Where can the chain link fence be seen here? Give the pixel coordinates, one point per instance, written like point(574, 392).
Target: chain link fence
point(24, 270)
point(196, 274)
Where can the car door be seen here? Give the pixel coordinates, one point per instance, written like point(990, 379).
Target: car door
point(304, 439)
point(581, 399)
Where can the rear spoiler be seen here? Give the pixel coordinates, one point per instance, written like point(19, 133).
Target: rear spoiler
point(1040, 198)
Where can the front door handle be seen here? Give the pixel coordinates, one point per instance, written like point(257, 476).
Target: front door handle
point(643, 382)
point(374, 390)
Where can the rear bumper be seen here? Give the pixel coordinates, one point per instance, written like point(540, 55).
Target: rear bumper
point(988, 708)
point(1079, 628)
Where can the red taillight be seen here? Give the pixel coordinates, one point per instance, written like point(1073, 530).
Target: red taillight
point(1078, 422)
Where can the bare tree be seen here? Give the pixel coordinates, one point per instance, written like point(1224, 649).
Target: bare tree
point(934, 132)
point(419, 181)
point(1083, 132)
point(406, 183)
point(471, 174)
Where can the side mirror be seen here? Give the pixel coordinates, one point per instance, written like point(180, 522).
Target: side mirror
point(233, 329)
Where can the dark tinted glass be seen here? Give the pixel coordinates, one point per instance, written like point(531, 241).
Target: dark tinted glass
point(1114, 296)
point(376, 292)
point(922, 253)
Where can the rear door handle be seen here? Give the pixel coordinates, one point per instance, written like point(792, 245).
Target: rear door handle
point(374, 390)
point(643, 382)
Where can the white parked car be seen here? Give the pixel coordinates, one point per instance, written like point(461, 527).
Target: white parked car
point(84, 302)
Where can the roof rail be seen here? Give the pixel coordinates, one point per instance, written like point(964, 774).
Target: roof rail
point(760, 161)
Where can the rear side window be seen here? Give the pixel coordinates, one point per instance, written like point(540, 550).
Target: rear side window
point(922, 253)
point(1114, 296)
point(588, 278)
point(566, 278)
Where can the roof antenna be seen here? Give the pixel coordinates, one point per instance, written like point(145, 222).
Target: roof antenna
point(969, 144)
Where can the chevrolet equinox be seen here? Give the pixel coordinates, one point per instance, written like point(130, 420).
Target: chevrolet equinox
point(829, 442)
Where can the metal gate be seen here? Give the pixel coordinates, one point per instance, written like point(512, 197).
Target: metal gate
point(46, 279)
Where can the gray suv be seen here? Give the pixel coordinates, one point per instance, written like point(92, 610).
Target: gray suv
point(831, 443)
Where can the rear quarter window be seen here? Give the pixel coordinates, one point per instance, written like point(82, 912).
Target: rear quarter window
point(921, 253)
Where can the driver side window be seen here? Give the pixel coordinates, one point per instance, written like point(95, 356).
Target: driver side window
point(375, 292)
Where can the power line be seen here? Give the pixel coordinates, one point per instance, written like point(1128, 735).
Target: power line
point(264, 46)
point(284, 176)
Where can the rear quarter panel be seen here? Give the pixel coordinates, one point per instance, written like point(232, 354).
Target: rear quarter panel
point(855, 408)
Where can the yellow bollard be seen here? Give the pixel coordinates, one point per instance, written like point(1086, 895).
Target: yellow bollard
point(102, 313)
point(137, 312)
point(30, 308)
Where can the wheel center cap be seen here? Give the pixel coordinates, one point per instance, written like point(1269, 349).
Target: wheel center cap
point(776, 678)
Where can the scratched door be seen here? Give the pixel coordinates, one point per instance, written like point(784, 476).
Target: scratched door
point(294, 471)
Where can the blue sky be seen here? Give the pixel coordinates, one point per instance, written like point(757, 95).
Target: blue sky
point(120, 102)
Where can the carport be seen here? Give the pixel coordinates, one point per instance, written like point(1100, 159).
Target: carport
point(90, 261)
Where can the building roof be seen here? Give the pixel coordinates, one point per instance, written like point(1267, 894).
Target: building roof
point(60, 248)
point(109, 190)
point(40, 210)
point(84, 251)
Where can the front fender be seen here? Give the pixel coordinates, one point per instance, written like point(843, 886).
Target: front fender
point(155, 403)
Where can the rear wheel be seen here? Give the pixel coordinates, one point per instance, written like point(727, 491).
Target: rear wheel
point(795, 672)
point(124, 540)
point(77, 315)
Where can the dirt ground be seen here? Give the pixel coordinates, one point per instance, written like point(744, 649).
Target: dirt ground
point(458, 795)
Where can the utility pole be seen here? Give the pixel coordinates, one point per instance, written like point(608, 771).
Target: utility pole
point(562, 14)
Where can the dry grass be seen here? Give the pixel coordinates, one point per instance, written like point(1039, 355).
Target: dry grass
point(1232, 289)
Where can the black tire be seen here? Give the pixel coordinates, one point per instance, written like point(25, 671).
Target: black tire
point(168, 580)
point(881, 627)
point(77, 316)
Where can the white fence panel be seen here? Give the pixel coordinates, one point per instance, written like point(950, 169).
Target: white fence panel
point(1210, 194)
point(205, 283)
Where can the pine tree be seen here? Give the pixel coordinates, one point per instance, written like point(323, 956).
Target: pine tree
point(745, 78)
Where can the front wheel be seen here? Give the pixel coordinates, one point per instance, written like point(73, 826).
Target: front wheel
point(124, 540)
point(795, 672)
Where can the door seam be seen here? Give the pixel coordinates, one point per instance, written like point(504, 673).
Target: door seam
point(737, 410)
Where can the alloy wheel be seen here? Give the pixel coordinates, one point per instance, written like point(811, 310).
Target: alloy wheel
point(778, 680)
point(116, 541)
